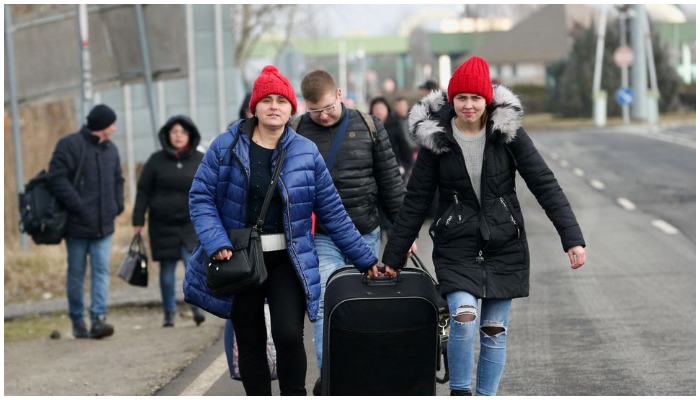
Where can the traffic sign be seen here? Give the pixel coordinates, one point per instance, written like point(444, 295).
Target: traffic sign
point(624, 96)
point(623, 56)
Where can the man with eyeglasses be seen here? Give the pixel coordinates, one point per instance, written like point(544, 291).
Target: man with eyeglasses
point(364, 172)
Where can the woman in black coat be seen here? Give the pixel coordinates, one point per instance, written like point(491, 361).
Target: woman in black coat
point(163, 190)
point(471, 144)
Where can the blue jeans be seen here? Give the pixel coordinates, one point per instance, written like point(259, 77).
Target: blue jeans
point(167, 280)
point(331, 258)
point(78, 251)
point(460, 345)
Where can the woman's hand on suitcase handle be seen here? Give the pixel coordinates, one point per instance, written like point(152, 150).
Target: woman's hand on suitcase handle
point(412, 250)
point(378, 270)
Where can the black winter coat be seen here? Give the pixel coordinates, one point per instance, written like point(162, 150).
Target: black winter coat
point(365, 172)
point(98, 198)
point(485, 252)
point(163, 190)
point(399, 142)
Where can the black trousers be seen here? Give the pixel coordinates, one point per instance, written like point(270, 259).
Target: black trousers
point(285, 296)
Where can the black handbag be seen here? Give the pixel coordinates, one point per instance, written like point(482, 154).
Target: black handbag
point(134, 266)
point(246, 267)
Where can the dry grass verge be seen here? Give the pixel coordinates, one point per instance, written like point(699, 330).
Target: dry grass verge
point(40, 271)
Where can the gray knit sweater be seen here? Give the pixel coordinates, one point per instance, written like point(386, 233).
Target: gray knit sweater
point(473, 151)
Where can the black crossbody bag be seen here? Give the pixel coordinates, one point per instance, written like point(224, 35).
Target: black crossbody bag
point(246, 268)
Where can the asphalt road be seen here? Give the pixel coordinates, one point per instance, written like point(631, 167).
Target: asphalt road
point(624, 324)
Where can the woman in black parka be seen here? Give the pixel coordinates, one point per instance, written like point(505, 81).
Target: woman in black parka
point(471, 144)
point(163, 190)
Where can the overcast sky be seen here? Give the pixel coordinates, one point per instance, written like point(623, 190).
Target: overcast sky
point(382, 19)
point(386, 19)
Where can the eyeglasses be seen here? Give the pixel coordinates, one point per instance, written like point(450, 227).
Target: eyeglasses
point(326, 110)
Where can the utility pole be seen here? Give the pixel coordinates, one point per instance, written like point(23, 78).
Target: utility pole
point(14, 113)
point(623, 68)
point(653, 98)
point(639, 66)
point(147, 74)
point(600, 97)
point(85, 64)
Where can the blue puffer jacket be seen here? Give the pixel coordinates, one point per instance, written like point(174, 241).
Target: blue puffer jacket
point(218, 202)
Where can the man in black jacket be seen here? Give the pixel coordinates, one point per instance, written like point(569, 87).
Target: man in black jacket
point(364, 172)
point(92, 206)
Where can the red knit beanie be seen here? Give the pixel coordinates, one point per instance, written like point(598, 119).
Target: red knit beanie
point(471, 77)
point(269, 82)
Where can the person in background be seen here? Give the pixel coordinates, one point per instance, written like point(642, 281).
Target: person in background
point(163, 191)
point(228, 192)
point(244, 112)
point(400, 111)
point(364, 172)
point(471, 143)
point(429, 86)
point(92, 207)
point(379, 107)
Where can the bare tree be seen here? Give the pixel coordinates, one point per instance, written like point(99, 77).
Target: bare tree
point(251, 21)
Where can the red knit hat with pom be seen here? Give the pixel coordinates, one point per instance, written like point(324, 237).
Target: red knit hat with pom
point(271, 81)
point(471, 77)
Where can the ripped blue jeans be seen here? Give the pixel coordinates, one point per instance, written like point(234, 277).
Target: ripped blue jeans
point(493, 323)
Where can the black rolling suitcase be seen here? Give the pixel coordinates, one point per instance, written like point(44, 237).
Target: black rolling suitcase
point(380, 335)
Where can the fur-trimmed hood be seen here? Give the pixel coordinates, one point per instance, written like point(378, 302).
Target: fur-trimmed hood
point(429, 118)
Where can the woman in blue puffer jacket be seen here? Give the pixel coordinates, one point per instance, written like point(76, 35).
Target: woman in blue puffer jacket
point(228, 192)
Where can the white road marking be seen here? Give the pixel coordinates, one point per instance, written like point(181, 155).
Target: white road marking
point(578, 172)
point(665, 226)
point(626, 204)
point(564, 163)
point(206, 379)
point(555, 156)
point(597, 184)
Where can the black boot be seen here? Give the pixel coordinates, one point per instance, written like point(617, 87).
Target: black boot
point(169, 319)
point(460, 392)
point(198, 315)
point(80, 331)
point(100, 328)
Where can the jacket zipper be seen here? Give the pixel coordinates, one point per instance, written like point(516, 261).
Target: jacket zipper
point(480, 261)
point(512, 218)
point(290, 247)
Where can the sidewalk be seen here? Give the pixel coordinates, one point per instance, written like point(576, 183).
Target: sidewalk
point(120, 297)
point(139, 359)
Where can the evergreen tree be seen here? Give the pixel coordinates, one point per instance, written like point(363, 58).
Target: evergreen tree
point(572, 92)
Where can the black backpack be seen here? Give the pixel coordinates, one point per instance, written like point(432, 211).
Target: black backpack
point(40, 214)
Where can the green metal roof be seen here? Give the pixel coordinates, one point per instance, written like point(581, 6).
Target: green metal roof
point(320, 47)
point(439, 43)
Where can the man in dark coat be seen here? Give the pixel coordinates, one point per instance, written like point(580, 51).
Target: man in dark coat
point(365, 173)
point(163, 190)
point(92, 207)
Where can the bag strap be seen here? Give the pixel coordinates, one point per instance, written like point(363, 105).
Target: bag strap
point(339, 136)
point(342, 129)
point(370, 125)
point(135, 242)
point(268, 196)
